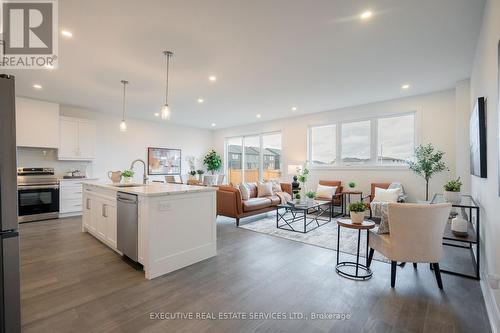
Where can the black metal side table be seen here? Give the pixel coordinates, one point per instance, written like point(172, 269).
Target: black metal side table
point(346, 200)
point(472, 241)
point(340, 268)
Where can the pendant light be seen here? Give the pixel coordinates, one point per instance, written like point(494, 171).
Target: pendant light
point(165, 110)
point(123, 124)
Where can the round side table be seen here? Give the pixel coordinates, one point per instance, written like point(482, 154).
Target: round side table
point(340, 268)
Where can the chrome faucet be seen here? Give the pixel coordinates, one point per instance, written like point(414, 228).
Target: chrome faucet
point(144, 177)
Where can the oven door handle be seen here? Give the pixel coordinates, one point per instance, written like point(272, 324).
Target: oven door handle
point(37, 187)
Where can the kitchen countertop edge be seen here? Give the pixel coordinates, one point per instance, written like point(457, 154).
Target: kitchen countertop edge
point(161, 189)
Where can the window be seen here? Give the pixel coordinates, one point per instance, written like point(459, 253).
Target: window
point(271, 150)
point(323, 139)
point(234, 149)
point(396, 139)
point(356, 142)
point(253, 158)
point(386, 140)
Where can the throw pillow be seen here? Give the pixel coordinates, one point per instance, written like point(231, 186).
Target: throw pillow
point(324, 191)
point(264, 189)
point(245, 191)
point(389, 195)
point(276, 186)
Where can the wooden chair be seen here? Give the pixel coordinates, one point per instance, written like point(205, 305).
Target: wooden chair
point(416, 236)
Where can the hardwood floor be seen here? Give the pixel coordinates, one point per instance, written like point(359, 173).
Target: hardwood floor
point(73, 283)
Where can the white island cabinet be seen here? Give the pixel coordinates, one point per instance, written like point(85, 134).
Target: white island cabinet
point(176, 223)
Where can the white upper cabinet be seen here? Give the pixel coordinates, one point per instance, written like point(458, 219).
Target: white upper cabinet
point(37, 123)
point(77, 139)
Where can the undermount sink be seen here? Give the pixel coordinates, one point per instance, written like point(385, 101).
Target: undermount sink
point(128, 185)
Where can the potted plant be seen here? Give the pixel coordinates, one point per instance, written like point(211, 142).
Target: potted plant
point(297, 196)
point(127, 175)
point(452, 191)
point(352, 185)
point(192, 171)
point(357, 212)
point(428, 161)
point(302, 176)
point(311, 195)
point(213, 162)
point(200, 174)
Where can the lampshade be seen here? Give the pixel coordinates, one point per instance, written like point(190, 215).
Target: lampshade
point(292, 168)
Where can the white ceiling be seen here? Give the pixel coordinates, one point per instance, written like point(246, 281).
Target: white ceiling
point(268, 55)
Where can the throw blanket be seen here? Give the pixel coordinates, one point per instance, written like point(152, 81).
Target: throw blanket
point(284, 197)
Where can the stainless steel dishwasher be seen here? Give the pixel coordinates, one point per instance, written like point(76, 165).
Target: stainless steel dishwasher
point(127, 225)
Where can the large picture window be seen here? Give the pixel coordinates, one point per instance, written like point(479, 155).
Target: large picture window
point(386, 140)
point(323, 144)
point(253, 158)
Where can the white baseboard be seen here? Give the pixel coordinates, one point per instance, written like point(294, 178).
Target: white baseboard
point(491, 305)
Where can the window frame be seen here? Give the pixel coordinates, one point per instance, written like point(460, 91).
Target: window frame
point(372, 164)
point(243, 159)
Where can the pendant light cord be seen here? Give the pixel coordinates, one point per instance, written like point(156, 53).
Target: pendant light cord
point(123, 106)
point(167, 54)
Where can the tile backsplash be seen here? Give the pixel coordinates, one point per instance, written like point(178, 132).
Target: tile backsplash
point(47, 158)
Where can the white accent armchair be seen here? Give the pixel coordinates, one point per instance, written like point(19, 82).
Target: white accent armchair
point(416, 236)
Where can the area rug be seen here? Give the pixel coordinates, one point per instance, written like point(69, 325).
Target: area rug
point(324, 236)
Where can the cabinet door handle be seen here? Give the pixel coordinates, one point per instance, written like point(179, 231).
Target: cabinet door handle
point(104, 214)
point(88, 203)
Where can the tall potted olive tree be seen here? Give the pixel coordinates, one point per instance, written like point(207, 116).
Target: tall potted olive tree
point(428, 162)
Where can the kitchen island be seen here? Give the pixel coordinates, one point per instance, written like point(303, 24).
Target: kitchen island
point(175, 223)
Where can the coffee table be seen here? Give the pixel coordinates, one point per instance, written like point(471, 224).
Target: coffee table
point(303, 216)
point(340, 268)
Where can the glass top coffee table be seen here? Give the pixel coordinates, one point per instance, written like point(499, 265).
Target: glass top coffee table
point(303, 216)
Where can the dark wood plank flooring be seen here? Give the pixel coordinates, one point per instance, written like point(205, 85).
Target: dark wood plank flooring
point(73, 283)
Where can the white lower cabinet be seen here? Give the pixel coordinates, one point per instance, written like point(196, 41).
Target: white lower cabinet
point(99, 217)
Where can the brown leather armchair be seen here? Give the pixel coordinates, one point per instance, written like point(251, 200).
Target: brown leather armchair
point(230, 204)
point(337, 198)
point(371, 196)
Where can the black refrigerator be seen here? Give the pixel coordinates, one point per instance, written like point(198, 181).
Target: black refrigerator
point(10, 302)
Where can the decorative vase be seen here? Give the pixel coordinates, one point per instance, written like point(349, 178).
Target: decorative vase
point(115, 176)
point(127, 180)
point(357, 217)
point(459, 226)
point(452, 197)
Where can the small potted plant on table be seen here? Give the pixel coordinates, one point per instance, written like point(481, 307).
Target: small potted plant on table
point(357, 212)
point(452, 191)
point(127, 175)
point(311, 195)
point(200, 174)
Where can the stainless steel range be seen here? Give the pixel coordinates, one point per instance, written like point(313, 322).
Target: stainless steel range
point(38, 194)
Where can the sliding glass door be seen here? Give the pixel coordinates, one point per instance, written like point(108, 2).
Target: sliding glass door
point(253, 158)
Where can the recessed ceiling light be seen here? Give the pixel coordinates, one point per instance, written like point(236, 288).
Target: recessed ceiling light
point(37, 86)
point(294, 108)
point(213, 125)
point(66, 33)
point(201, 100)
point(258, 115)
point(405, 86)
point(157, 114)
point(212, 78)
point(366, 15)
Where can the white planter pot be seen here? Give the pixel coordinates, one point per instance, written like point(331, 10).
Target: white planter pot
point(127, 180)
point(453, 197)
point(357, 217)
point(210, 180)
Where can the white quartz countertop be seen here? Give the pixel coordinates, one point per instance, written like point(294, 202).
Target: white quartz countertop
point(154, 189)
point(77, 179)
